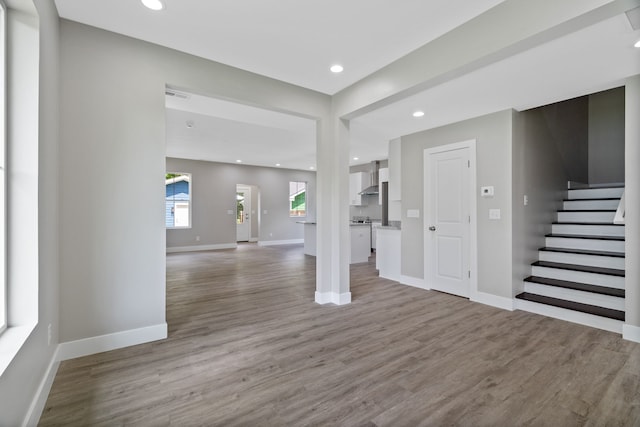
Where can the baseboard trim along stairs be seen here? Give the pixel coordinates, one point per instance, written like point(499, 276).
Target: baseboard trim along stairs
point(579, 275)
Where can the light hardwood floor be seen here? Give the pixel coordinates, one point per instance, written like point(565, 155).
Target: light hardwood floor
point(248, 346)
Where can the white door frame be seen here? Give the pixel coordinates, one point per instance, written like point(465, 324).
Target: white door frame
point(473, 211)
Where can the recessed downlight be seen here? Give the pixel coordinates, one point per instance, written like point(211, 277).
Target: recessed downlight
point(311, 167)
point(153, 4)
point(637, 44)
point(418, 113)
point(238, 161)
point(356, 158)
point(277, 164)
point(337, 68)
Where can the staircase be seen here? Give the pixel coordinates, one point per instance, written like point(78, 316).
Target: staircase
point(579, 275)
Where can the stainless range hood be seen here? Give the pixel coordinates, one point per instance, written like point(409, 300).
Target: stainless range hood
point(373, 174)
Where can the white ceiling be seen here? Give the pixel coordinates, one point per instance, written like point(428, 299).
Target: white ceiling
point(295, 46)
point(290, 40)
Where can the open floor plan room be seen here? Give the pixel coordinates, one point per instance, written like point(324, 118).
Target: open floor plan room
point(248, 346)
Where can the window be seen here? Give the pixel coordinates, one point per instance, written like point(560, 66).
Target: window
point(297, 198)
point(178, 200)
point(3, 192)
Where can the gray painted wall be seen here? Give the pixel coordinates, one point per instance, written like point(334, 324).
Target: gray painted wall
point(214, 193)
point(539, 173)
point(606, 137)
point(567, 125)
point(113, 138)
point(493, 134)
point(20, 382)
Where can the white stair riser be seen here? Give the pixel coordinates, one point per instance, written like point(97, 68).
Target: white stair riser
point(586, 217)
point(579, 276)
point(590, 298)
point(577, 205)
point(581, 259)
point(588, 230)
point(595, 193)
point(599, 322)
point(587, 244)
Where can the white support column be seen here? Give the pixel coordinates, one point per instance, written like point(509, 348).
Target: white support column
point(333, 250)
point(631, 328)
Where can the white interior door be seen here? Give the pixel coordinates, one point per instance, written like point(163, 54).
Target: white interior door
point(243, 213)
point(448, 218)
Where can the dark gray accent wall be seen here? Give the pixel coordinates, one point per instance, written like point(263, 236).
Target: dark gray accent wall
point(606, 137)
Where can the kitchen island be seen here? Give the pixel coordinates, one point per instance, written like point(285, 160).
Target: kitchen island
point(360, 234)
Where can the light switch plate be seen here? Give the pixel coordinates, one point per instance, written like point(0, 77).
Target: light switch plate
point(494, 213)
point(413, 213)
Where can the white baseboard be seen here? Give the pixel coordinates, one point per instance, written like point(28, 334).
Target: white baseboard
point(93, 345)
point(40, 398)
point(333, 298)
point(253, 240)
point(416, 282)
point(201, 248)
point(493, 301)
point(631, 332)
point(279, 242)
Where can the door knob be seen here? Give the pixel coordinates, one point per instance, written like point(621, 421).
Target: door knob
point(432, 228)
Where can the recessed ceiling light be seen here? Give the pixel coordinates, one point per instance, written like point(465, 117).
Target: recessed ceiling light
point(418, 113)
point(311, 167)
point(277, 164)
point(238, 161)
point(153, 4)
point(355, 158)
point(637, 44)
point(337, 68)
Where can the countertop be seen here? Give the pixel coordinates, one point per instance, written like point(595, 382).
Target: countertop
point(352, 224)
point(388, 227)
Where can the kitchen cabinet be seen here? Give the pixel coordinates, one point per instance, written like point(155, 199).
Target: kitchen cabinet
point(395, 178)
point(358, 181)
point(388, 253)
point(383, 176)
point(360, 243)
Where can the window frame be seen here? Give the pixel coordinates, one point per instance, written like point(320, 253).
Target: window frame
point(3, 170)
point(189, 201)
point(306, 199)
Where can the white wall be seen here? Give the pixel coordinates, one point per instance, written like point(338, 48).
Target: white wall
point(214, 190)
point(25, 375)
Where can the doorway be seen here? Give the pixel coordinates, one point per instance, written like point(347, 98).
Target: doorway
point(449, 228)
point(243, 213)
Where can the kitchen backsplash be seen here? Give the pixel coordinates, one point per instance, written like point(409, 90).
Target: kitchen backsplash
point(372, 210)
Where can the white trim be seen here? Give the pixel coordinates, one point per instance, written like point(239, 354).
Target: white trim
point(493, 300)
point(416, 282)
point(40, 399)
point(201, 248)
point(11, 341)
point(253, 240)
point(93, 345)
point(333, 298)
point(631, 332)
point(579, 317)
point(473, 209)
point(279, 242)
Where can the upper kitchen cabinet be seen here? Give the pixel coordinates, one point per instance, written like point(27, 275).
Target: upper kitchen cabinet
point(395, 179)
point(358, 181)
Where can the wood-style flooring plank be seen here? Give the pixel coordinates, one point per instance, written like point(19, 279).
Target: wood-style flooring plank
point(248, 346)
